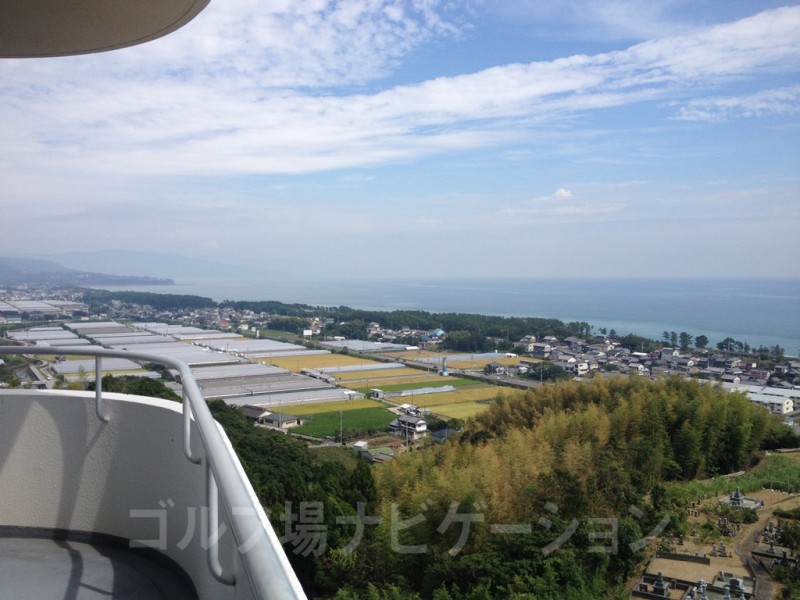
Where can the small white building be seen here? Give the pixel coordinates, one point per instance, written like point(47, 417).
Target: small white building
point(777, 400)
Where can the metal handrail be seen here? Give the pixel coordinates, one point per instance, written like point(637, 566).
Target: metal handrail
point(264, 561)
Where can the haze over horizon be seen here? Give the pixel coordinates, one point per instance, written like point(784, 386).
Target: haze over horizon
point(417, 137)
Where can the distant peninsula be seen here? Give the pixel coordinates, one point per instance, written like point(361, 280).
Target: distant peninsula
point(23, 271)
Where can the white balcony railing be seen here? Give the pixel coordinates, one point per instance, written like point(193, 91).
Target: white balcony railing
point(129, 454)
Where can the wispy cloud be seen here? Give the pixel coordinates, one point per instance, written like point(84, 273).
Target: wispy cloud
point(608, 19)
point(222, 110)
point(781, 101)
point(321, 126)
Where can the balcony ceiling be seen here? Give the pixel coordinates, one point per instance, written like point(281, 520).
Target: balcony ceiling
point(38, 28)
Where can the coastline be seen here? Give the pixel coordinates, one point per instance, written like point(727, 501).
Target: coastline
point(757, 311)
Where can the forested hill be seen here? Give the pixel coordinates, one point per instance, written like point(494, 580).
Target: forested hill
point(19, 271)
point(517, 507)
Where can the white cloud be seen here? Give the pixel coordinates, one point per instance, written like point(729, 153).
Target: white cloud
point(562, 194)
point(220, 112)
point(602, 19)
point(169, 143)
point(780, 101)
point(562, 205)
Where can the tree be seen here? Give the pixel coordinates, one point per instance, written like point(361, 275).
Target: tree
point(137, 386)
point(701, 341)
point(547, 371)
point(729, 344)
point(673, 338)
point(685, 340)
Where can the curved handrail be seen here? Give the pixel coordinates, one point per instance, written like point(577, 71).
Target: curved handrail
point(265, 563)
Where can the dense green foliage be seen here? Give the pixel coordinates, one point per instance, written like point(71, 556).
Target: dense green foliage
point(283, 471)
point(99, 298)
point(575, 456)
point(138, 386)
point(546, 371)
point(352, 322)
point(673, 429)
point(7, 369)
point(273, 307)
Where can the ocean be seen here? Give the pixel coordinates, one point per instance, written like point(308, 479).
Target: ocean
point(757, 311)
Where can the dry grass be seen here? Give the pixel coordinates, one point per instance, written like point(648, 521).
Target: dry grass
point(313, 361)
point(461, 410)
point(482, 362)
point(417, 354)
point(470, 394)
point(377, 374)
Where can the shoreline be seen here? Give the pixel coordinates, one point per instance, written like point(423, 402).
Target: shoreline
point(756, 311)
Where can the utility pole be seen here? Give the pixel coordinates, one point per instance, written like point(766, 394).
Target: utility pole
point(341, 428)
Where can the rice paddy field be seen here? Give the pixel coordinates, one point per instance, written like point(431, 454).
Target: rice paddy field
point(461, 410)
point(366, 415)
point(314, 361)
point(429, 382)
point(416, 354)
point(480, 363)
point(434, 401)
point(470, 397)
point(419, 380)
point(358, 421)
point(380, 373)
point(302, 410)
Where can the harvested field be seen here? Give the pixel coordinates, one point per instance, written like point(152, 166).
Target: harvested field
point(314, 361)
point(461, 410)
point(479, 363)
point(378, 373)
point(416, 354)
point(469, 394)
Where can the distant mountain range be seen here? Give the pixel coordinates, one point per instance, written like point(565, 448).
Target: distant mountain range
point(158, 264)
point(37, 272)
point(123, 267)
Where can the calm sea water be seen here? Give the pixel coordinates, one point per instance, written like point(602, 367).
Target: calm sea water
point(756, 311)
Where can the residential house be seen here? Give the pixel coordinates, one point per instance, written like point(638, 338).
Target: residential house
point(254, 413)
point(494, 368)
point(409, 427)
point(573, 365)
point(281, 420)
point(541, 350)
point(668, 353)
point(638, 369)
point(528, 342)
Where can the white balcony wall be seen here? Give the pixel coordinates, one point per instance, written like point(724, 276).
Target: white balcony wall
point(63, 468)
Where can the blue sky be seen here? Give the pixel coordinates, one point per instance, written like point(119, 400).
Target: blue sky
point(422, 137)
